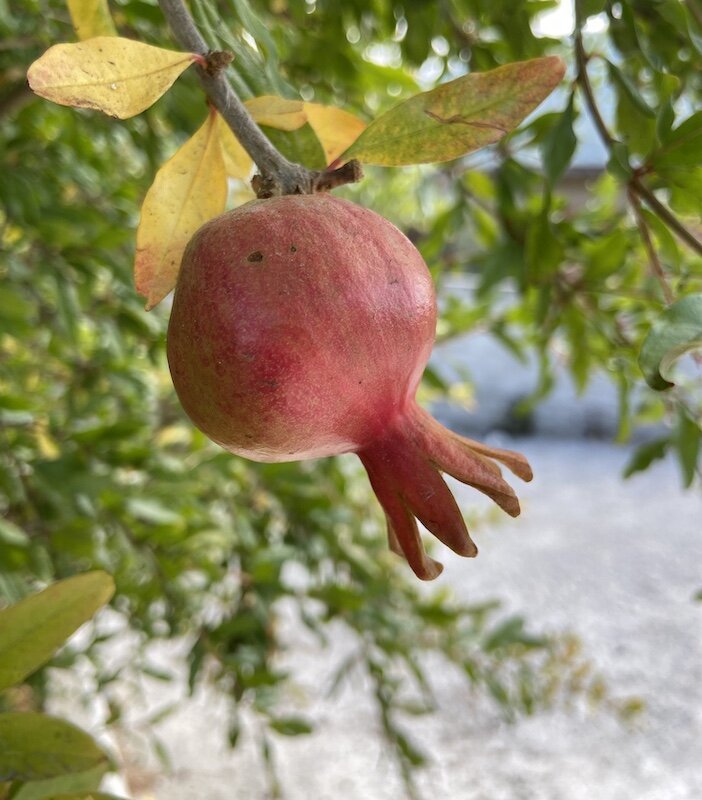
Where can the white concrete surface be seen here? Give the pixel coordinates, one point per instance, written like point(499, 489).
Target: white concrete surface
point(616, 563)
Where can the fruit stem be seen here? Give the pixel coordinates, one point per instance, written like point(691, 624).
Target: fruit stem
point(278, 176)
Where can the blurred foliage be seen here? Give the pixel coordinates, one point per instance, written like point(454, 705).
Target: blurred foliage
point(100, 469)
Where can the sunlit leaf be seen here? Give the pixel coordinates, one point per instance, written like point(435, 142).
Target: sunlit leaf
point(277, 112)
point(189, 189)
point(118, 76)
point(237, 162)
point(32, 630)
point(459, 116)
point(91, 18)
point(35, 746)
point(677, 331)
point(335, 128)
point(77, 782)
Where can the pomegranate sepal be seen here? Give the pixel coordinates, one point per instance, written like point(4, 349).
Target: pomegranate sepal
point(404, 466)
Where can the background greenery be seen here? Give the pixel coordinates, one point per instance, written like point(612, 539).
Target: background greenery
point(100, 469)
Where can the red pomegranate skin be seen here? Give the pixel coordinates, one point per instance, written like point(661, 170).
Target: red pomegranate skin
point(300, 328)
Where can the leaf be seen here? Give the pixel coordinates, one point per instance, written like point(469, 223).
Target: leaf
point(152, 512)
point(291, 726)
point(677, 331)
point(118, 76)
point(32, 630)
point(91, 18)
point(682, 146)
point(559, 145)
point(81, 782)
point(459, 116)
point(626, 87)
point(645, 455)
point(335, 128)
point(12, 534)
point(301, 146)
point(277, 112)
point(237, 162)
point(189, 190)
point(664, 120)
point(687, 445)
point(35, 746)
point(85, 796)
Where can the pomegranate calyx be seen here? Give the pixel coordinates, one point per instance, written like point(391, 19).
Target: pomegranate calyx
point(404, 466)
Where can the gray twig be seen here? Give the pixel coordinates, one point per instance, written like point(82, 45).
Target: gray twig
point(277, 174)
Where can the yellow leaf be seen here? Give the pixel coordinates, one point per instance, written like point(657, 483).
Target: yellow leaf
point(277, 112)
point(118, 76)
point(91, 18)
point(237, 162)
point(189, 189)
point(336, 130)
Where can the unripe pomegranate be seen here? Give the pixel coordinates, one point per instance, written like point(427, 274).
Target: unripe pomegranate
point(300, 328)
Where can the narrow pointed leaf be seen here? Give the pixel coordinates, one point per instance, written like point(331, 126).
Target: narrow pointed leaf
point(118, 76)
point(335, 128)
point(559, 146)
point(91, 18)
point(35, 746)
point(277, 112)
point(32, 630)
point(189, 189)
point(459, 116)
point(677, 331)
point(237, 162)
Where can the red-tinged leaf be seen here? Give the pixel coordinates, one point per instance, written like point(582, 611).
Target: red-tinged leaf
point(459, 116)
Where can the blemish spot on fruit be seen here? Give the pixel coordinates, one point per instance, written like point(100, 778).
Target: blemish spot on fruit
point(255, 257)
point(293, 249)
point(394, 281)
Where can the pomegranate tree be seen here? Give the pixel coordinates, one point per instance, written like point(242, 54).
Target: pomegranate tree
point(300, 329)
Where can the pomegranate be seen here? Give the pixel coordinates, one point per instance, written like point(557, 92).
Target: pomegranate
point(300, 329)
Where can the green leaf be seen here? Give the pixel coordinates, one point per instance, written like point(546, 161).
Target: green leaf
point(301, 146)
point(559, 145)
point(12, 534)
point(677, 331)
point(291, 726)
point(645, 455)
point(85, 796)
point(682, 147)
point(664, 120)
point(687, 445)
point(512, 632)
point(80, 782)
point(459, 116)
point(35, 746)
point(152, 512)
point(627, 88)
point(32, 630)
point(618, 164)
point(544, 251)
